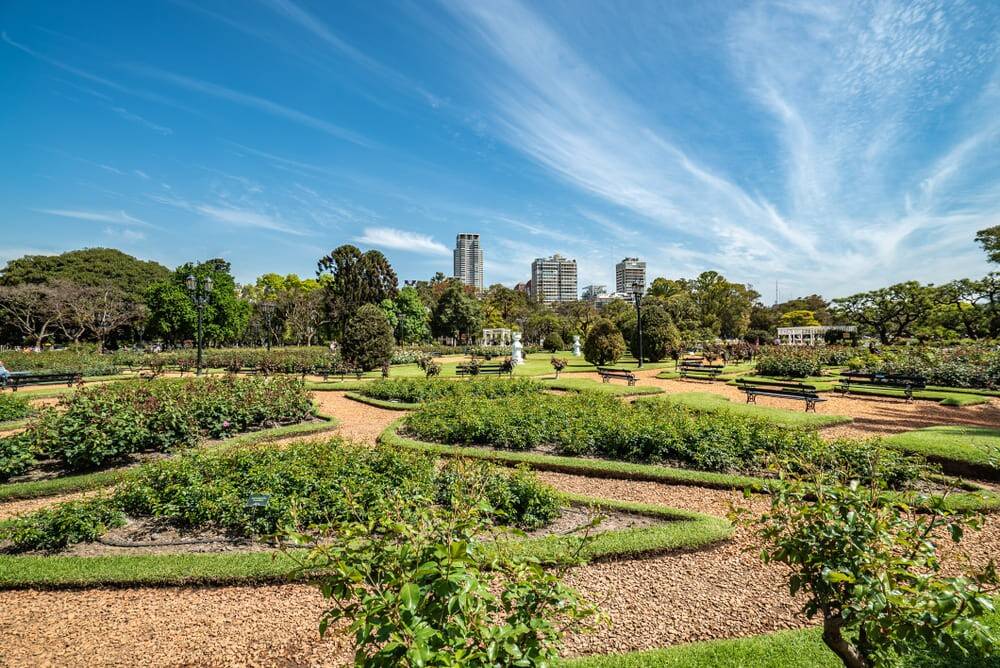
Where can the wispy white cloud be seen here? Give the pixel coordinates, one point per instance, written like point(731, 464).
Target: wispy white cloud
point(139, 120)
point(414, 242)
point(141, 174)
point(245, 218)
point(111, 217)
point(253, 102)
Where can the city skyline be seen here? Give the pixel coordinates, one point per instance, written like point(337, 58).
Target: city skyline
point(693, 133)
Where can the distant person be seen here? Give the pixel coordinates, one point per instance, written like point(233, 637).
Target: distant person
point(4, 374)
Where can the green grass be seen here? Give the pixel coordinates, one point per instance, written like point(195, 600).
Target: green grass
point(960, 450)
point(15, 424)
point(785, 649)
point(821, 383)
point(70, 484)
point(679, 530)
point(584, 384)
point(709, 403)
point(382, 403)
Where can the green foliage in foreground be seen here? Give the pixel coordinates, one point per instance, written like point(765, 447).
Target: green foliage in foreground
point(311, 483)
point(863, 562)
point(13, 407)
point(709, 402)
point(959, 449)
point(419, 586)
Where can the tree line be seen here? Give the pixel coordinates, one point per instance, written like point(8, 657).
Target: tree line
point(106, 297)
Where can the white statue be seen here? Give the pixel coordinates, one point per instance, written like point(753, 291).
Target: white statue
point(576, 345)
point(515, 350)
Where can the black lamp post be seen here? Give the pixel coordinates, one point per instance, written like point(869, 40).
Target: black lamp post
point(201, 293)
point(268, 307)
point(637, 296)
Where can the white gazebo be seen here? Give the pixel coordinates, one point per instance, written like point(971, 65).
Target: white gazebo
point(811, 336)
point(498, 336)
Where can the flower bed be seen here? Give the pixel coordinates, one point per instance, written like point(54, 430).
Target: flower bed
point(13, 407)
point(306, 484)
point(417, 390)
point(966, 366)
point(103, 424)
point(657, 431)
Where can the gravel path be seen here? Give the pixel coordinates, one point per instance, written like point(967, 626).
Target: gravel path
point(358, 421)
point(13, 508)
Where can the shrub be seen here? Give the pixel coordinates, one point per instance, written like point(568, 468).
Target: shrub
point(432, 369)
point(16, 456)
point(368, 340)
point(660, 337)
point(863, 562)
point(88, 363)
point(594, 424)
point(54, 528)
point(13, 407)
point(604, 343)
point(415, 390)
point(788, 362)
point(558, 364)
point(553, 343)
point(306, 483)
point(419, 587)
point(103, 423)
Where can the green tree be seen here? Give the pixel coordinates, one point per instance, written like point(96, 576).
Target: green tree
point(820, 308)
point(660, 337)
point(865, 561)
point(356, 278)
point(553, 343)
point(800, 318)
point(368, 342)
point(604, 343)
point(172, 314)
point(724, 307)
point(890, 312)
point(989, 239)
point(93, 267)
point(457, 314)
point(413, 317)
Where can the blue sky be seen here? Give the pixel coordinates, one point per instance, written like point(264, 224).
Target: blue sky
point(829, 147)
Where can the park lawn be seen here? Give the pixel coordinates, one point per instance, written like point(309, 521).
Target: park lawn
point(821, 383)
point(946, 396)
point(976, 449)
point(785, 649)
point(709, 403)
point(587, 384)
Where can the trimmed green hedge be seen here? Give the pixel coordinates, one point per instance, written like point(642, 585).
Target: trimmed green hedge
point(586, 384)
point(959, 450)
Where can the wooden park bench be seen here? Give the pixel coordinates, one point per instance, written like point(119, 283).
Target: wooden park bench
point(608, 374)
point(859, 379)
point(26, 378)
point(699, 371)
point(482, 370)
point(338, 371)
point(798, 391)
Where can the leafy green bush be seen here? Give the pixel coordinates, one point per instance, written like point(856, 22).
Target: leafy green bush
point(553, 343)
point(595, 424)
point(86, 362)
point(789, 362)
point(13, 407)
point(864, 563)
point(54, 528)
point(604, 343)
point(970, 365)
point(660, 337)
point(103, 423)
point(16, 456)
point(416, 390)
point(308, 484)
point(419, 587)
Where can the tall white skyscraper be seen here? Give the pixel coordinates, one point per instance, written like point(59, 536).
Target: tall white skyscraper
point(469, 260)
point(553, 279)
point(627, 272)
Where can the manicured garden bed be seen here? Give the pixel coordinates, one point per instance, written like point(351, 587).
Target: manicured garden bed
point(708, 402)
point(588, 385)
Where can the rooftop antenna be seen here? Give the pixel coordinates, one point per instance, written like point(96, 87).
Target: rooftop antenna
point(777, 299)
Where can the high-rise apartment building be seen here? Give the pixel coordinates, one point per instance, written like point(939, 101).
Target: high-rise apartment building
point(553, 279)
point(628, 272)
point(469, 260)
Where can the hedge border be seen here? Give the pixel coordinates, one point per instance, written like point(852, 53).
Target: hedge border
point(680, 531)
point(36, 489)
point(382, 403)
point(974, 498)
